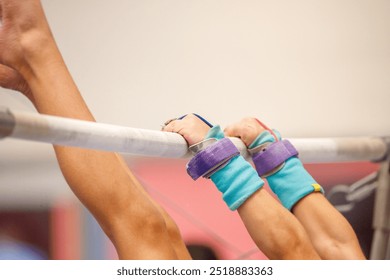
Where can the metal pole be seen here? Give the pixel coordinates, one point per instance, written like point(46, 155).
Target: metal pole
point(71, 132)
point(7, 122)
point(381, 221)
point(90, 135)
point(388, 249)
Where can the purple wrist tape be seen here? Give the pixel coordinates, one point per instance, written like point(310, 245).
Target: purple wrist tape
point(209, 160)
point(273, 156)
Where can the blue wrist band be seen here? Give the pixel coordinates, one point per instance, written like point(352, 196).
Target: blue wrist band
point(237, 180)
point(292, 182)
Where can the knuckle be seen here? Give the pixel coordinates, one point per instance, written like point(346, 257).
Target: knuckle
point(247, 119)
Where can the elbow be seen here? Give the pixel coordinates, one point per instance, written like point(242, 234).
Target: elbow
point(140, 223)
point(332, 249)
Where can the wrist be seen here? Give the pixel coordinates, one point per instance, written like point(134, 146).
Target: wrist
point(40, 53)
point(211, 159)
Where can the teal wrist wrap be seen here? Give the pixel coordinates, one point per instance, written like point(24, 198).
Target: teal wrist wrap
point(237, 181)
point(292, 182)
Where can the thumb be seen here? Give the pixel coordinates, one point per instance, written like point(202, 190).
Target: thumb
point(7, 77)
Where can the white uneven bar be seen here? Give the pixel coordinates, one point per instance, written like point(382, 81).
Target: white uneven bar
point(84, 134)
point(70, 132)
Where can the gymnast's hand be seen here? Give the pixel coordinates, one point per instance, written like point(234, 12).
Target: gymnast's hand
point(247, 130)
point(24, 36)
point(190, 127)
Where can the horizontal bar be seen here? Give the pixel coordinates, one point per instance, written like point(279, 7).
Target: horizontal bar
point(85, 134)
point(77, 133)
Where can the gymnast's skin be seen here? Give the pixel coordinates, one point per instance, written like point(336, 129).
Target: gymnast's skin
point(139, 228)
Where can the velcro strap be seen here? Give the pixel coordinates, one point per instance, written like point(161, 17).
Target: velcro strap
point(211, 159)
point(273, 156)
point(196, 148)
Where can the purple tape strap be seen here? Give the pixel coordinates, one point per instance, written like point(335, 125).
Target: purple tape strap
point(211, 159)
point(273, 156)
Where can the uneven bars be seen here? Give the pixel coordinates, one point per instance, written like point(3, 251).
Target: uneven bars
point(84, 134)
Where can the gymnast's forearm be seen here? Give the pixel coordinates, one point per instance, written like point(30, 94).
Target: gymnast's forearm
point(88, 172)
point(331, 234)
point(30, 62)
point(274, 230)
point(99, 179)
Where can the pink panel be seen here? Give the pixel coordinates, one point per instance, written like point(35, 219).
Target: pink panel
point(200, 213)
point(65, 232)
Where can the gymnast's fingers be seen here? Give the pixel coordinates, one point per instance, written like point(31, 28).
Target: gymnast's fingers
point(168, 126)
point(190, 127)
point(247, 130)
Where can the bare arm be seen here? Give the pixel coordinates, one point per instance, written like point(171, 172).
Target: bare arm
point(275, 231)
point(331, 234)
point(101, 180)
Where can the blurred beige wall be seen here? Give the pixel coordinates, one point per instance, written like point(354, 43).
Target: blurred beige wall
point(309, 68)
